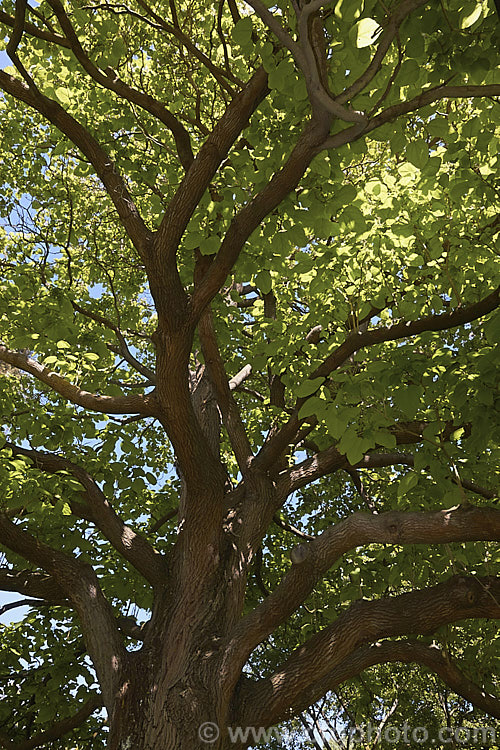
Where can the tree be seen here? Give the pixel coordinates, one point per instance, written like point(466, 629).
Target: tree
point(248, 293)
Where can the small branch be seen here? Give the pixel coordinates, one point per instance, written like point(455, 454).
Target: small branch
point(402, 10)
point(22, 603)
point(292, 529)
point(166, 517)
point(15, 40)
point(123, 347)
point(221, 76)
point(361, 490)
point(33, 30)
point(377, 460)
point(58, 728)
point(132, 404)
point(258, 573)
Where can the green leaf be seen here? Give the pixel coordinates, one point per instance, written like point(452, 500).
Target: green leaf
point(263, 281)
point(314, 406)
point(367, 32)
point(406, 484)
point(242, 31)
point(417, 153)
point(63, 96)
point(471, 13)
point(408, 398)
point(492, 329)
point(210, 245)
point(308, 386)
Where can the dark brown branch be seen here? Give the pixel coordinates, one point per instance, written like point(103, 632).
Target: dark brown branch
point(258, 573)
point(80, 585)
point(112, 82)
point(58, 728)
point(122, 348)
point(22, 603)
point(330, 460)
point(33, 30)
point(316, 557)
point(377, 460)
point(404, 329)
point(132, 404)
point(103, 165)
point(208, 160)
point(410, 651)
point(131, 545)
point(357, 340)
point(249, 218)
point(292, 529)
point(422, 100)
point(31, 583)
point(229, 409)
point(166, 517)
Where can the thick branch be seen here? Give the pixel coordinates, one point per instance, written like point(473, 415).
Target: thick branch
point(255, 701)
point(131, 545)
point(103, 165)
point(80, 585)
point(132, 404)
point(204, 167)
point(249, 218)
point(31, 583)
point(306, 62)
point(316, 557)
point(330, 460)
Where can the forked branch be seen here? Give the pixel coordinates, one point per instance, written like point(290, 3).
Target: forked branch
point(79, 583)
point(316, 557)
point(131, 545)
point(255, 699)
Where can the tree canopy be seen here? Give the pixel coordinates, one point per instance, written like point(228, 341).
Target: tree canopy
point(248, 317)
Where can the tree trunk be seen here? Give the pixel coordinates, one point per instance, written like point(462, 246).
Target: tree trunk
point(150, 714)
